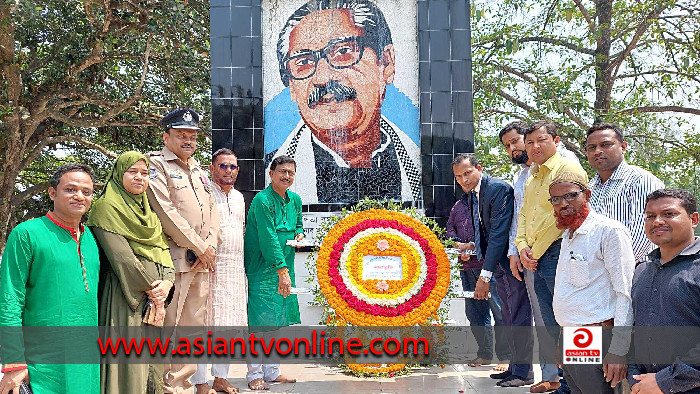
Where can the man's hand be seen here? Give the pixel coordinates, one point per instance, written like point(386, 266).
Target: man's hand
point(527, 260)
point(462, 246)
point(647, 384)
point(198, 264)
point(285, 284)
point(205, 261)
point(465, 247)
point(160, 290)
point(481, 291)
point(299, 237)
point(208, 258)
point(12, 379)
point(614, 368)
point(160, 313)
point(515, 267)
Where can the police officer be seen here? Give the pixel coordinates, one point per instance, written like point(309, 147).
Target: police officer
point(180, 194)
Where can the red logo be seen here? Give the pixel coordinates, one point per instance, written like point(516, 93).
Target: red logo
point(583, 337)
point(582, 345)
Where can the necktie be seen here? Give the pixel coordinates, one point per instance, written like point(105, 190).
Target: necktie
point(476, 222)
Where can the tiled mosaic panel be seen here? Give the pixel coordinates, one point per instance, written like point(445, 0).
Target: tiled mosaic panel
point(341, 81)
point(444, 94)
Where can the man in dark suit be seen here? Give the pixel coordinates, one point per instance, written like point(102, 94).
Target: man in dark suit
point(491, 200)
point(480, 222)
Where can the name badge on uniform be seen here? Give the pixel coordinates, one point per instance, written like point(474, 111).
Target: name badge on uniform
point(205, 183)
point(153, 174)
point(176, 176)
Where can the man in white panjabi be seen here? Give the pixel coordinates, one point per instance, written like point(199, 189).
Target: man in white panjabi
point(228, 290)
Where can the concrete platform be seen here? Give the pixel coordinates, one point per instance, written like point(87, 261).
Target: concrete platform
point(315, 379)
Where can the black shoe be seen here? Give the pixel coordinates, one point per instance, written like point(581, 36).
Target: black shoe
point(515, 381)
point(500, 375)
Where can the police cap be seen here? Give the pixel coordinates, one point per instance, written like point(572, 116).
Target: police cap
point(181, 118)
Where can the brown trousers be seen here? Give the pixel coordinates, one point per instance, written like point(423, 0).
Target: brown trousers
point(188, 308)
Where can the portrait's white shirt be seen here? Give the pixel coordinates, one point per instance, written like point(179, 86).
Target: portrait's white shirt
point(301, 149)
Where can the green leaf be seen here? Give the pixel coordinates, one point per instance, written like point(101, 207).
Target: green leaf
point(686, 62)
point(569, 14)
point(509, 46)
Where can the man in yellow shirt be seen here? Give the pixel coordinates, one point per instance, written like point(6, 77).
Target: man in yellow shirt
point(539, 239)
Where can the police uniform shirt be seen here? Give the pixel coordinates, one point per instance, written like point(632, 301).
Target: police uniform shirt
point(181, 195)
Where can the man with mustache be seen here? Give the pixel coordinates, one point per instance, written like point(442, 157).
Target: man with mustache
point(665, 293)
point(593, 280)
point(344, 147)
point(478, 223)
point(181, 195)
point(274, 219)
point(227, 283)
point(48, 277)
point(512, 137)
point(619, 190)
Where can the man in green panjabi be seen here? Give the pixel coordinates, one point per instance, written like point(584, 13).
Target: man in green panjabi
point(48, 277)
point(274, 218)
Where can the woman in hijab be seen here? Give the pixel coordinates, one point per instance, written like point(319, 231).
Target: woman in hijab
point(137, 282)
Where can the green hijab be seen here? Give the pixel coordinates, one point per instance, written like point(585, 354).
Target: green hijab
point(130, 215)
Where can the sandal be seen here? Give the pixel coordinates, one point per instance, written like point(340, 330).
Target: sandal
point(544, 386)
point(258, 384)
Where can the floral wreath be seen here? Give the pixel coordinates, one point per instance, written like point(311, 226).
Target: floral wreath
point(408, 301)
point(373, 228)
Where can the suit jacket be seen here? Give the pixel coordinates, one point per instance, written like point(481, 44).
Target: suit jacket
point(496, 205)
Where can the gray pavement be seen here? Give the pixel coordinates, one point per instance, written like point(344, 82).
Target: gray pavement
point(316, 379)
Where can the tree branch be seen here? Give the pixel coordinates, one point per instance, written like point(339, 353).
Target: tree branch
point(662, 108)
point(518, 103)
point(556, 41)
point(29, 192)
point(615, 65)
point(652, 72)
point(498, 111)
point(525, 77)
point(586, 16)
point(60, 139)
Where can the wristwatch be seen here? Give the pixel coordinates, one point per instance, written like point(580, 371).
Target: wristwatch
point(484, 279)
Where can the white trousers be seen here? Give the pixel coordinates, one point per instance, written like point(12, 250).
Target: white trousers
point(267, 372)
point(217, 370)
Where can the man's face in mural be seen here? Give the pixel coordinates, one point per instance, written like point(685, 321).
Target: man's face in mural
point(333, 99)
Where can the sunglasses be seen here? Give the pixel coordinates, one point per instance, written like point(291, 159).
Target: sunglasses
point(225, 166)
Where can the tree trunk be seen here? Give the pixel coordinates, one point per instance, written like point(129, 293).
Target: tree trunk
point(10, 140)
point(603, 71)
point(10, 171)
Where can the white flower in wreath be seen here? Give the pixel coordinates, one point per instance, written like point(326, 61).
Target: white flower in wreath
point(352, 285)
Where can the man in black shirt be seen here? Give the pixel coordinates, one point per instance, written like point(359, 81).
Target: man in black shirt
point(665, 293)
